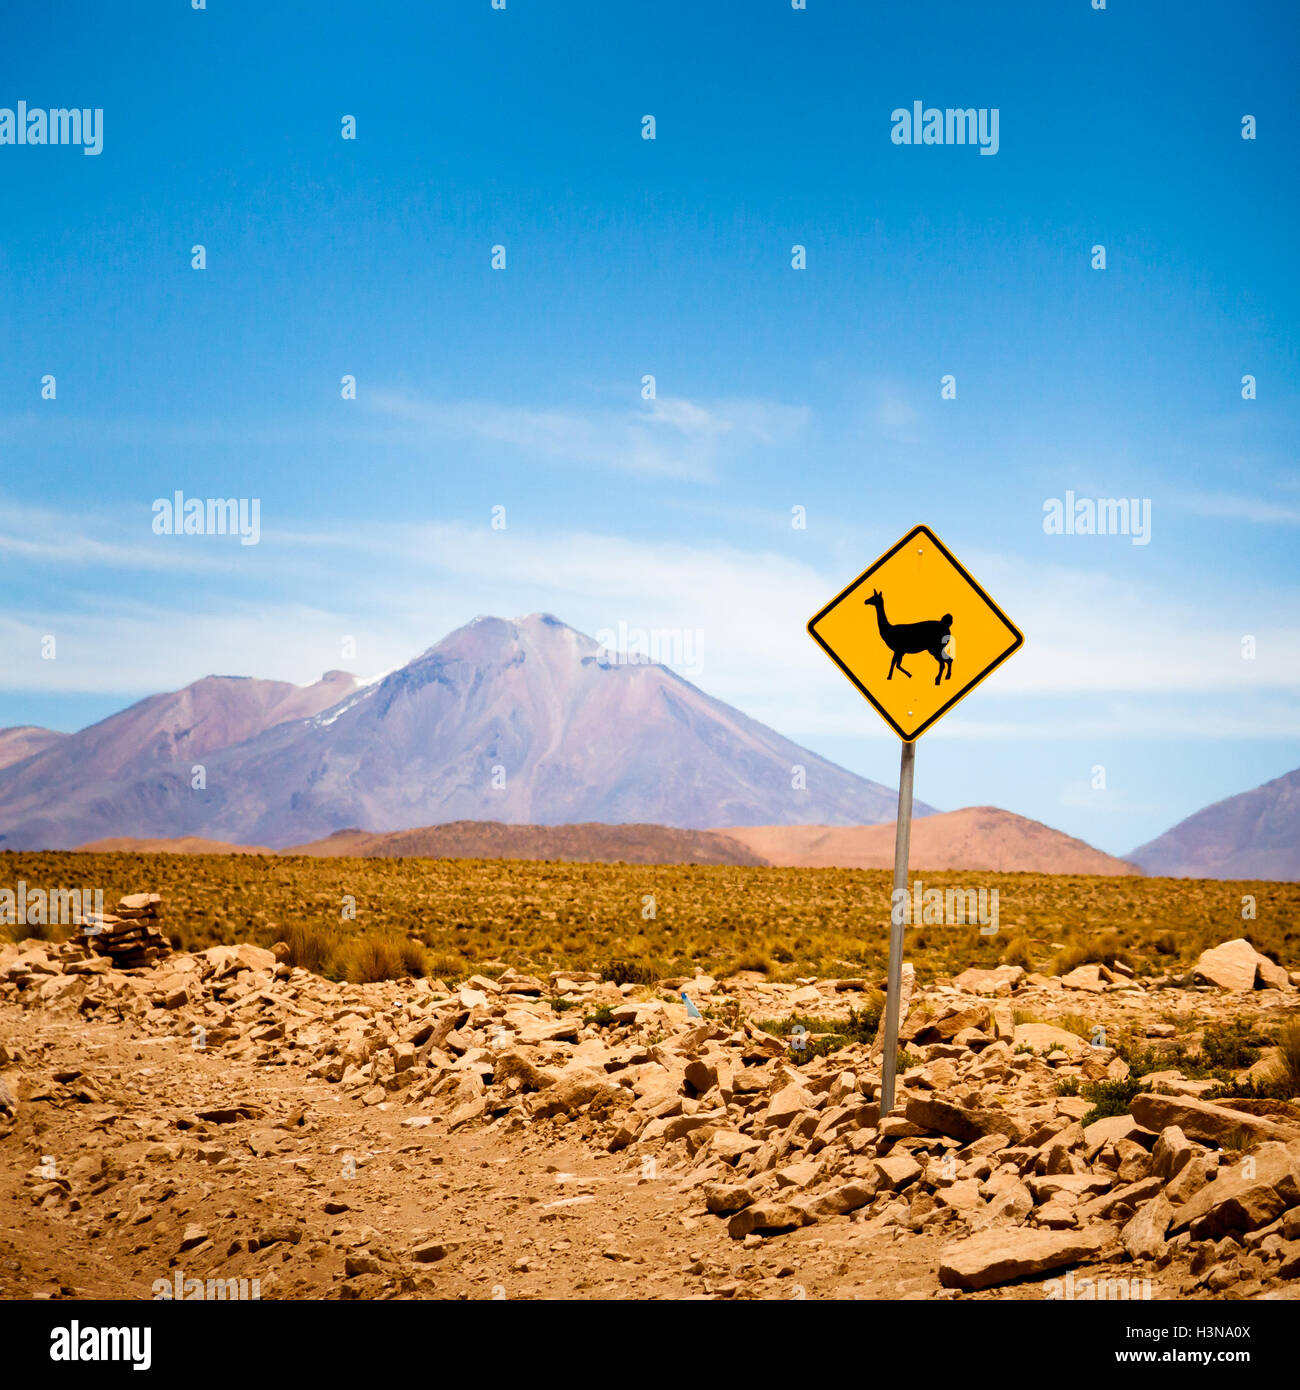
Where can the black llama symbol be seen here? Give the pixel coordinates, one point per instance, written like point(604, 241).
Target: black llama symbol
point(903, 639)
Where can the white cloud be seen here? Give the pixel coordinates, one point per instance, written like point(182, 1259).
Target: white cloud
point(1231, 507)
point(664, 438)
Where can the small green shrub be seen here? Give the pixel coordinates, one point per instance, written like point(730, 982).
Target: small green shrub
point(1109, 1098)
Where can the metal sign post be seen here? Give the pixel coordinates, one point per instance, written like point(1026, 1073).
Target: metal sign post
point(902, 844)
point(918, 603)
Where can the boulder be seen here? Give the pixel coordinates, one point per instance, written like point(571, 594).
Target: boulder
point(1173, 1151)
point(897, 1170)
point(1000, 980)
point(1087, 977)
point(1270, 975)
point(765, 1218)
point(1254, 1191)
point(788, 1102)
point(839, 1201)
point(957, 1122)
point(1000, 1256)
point(1111, 1130)
point(1233, 965)
point(922, 1028)
point(579, 1088)
point(1203, 1120)
point(1144, 1235)
point(726, 1198)
point(1045, 1037)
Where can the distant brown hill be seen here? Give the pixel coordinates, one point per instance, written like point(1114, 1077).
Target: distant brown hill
point(586, 843)
point(977, 837)
point(184, 844)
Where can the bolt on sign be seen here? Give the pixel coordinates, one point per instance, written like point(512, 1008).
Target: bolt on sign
point(915, 632)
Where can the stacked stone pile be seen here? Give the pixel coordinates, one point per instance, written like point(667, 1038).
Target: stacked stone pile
point(127, 935)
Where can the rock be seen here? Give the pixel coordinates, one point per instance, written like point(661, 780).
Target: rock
point(765, 1218)
point(1012, 1203)
point(1144, 1235)
point(279, 1233)
point(922, 1028)
point(1270, 975)
point(998, 1256)
point(1171, 1154)
point(1002, 979)
point(579, 1088)
point(730, 1146)
point(724, 1198)
point(897, 1170)
point(1086, 977)
point(1252, 1192)
point(430, 1252)
point(1044, 1037)
point(957, 1122)
point(963, 1195)
point(515, 1065)
point(1111, 1130)
point(1193, 1178)
point(839, 1201)
point(1203, 1120)
point(194, 1235)
point(788, 1102)
point(1233, 965)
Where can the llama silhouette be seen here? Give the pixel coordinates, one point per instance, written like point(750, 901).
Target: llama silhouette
point(904, 639)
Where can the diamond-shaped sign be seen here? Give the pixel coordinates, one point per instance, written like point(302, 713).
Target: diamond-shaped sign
point(915, 633)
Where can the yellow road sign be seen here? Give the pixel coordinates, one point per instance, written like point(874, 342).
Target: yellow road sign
point(915, 633)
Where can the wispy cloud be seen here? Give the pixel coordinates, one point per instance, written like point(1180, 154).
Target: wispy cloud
point(1232, 507)
point(36, 535)
point(669, 437)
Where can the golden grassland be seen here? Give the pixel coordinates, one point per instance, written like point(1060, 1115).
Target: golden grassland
point(451, 918)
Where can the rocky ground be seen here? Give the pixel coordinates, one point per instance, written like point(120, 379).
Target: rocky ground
point(224, 1117)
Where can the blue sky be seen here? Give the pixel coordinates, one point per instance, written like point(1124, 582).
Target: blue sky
point(776, 387)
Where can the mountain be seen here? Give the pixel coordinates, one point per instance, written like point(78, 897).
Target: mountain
point(978, 837)
point(95, 781)
point(25, 740)
point(1253, 835)
point(591, 843)
point(524, 722)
